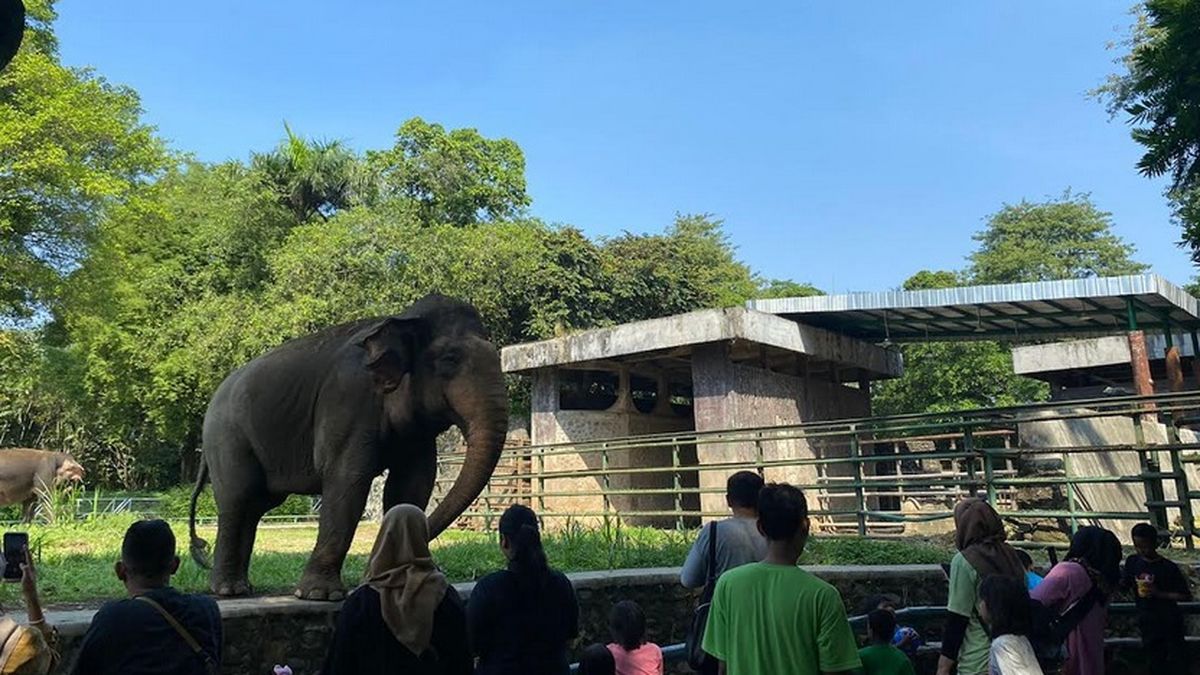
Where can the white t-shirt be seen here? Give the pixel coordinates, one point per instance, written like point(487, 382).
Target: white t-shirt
point(1013, 655)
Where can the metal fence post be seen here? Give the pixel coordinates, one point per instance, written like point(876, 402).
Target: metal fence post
point(1070, 486)
point(1151, 482)
point(604, 481)
point(541, 479)
point(678, 484)
point(969, 453)
point(989, 475)
point(1182, 491)
point(758, 454)
point(860, 501)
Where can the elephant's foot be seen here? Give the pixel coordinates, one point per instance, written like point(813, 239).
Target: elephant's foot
point(321, 587)
point(231, 588)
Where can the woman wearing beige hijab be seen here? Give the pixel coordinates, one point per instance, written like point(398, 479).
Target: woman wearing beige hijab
point(406, 618)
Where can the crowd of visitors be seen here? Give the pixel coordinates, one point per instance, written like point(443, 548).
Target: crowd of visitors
point(765, 614)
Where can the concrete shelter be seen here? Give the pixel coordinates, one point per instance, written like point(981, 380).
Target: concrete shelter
point(706, 370)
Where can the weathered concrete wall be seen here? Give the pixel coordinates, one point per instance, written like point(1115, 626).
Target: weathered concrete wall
point(1099, 432)
point(550, 424)
point(728, 394)
point(262, 632)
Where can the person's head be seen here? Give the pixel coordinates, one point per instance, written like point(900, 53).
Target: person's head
point(403, 540)
point(1026, 560)
point(975, 521)
point(741, 490)
point(1004, 606)
point(627, 624)
point(521, 541)
point(1145, 540)
point(783, 514)
point(887, 601)
point(597, 660)
point(147, 555)
point(881, 625)
point(1098, 549)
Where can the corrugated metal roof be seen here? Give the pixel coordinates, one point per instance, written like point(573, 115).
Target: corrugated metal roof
point(1044, 309)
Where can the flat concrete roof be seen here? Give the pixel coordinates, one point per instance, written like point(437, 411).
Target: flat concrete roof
point(673, 337)
point(1091, 354)
point(1066, 308)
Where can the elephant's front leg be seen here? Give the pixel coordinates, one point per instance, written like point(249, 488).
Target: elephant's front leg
point(342, 504)
point(410, 481)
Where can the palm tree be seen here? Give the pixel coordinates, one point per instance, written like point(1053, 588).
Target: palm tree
point(312, 177)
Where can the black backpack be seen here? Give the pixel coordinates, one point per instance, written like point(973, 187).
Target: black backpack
point(1049, 631)
point(700, 660)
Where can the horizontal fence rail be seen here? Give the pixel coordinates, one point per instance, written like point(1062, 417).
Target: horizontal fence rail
point(1052, 466)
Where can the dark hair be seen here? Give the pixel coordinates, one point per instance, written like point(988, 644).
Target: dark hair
point(1100, 550)
point(1145, 531)
point(520, 525)
point(597, 660)
point(882, 624)
point(148, 549)
point(627, 623)
point(781, 510)
point(742, 489)
point(1026, 560)
point(872, 602)
point(1007, 602)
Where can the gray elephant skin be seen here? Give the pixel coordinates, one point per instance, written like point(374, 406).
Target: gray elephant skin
point(326, 413)
point(24, 471)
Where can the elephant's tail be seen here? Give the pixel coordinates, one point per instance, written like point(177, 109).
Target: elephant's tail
point(199, 547)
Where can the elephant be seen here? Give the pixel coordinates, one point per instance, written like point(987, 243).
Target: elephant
point(327, 413)
point(24, 471)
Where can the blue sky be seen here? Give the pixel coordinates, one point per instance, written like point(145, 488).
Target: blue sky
point(844, 144)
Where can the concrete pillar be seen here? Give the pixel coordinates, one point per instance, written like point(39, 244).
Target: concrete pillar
point(1143, 384)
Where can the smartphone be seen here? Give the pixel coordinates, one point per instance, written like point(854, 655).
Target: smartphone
point(15, 545)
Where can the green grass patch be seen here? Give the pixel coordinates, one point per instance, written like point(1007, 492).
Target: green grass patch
point(76, 558)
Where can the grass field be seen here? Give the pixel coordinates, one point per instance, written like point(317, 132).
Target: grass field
point(76, 559)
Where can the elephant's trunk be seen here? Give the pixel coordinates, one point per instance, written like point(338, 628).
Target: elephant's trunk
point(484, 411)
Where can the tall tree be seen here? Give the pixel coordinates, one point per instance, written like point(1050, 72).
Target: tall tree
point(785, 288)
point(456, 177)
point(1063, 238)
point(71, 145)
point(1159, 94)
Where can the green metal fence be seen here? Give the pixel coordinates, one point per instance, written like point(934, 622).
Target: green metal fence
point(1057, 465)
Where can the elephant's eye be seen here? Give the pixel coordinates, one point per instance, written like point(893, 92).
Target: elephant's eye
point(448, 361)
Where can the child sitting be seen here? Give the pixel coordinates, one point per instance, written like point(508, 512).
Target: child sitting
point(880, 657)
point(1160, 587)
point(1004, 609)
point(632, 654)
point(1032, 579)
point(905, 638)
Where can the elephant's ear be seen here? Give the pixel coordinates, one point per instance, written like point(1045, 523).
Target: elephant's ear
point(391, 350)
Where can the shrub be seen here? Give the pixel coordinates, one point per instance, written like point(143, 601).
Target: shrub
point(176, 503)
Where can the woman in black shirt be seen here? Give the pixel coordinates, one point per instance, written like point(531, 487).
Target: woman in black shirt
point(522, 618)
point(406, 618)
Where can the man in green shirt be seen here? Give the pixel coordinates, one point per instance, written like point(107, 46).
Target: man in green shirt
point(773, 617)
point(880, 657)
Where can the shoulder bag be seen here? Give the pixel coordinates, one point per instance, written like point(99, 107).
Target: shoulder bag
point(210, 665)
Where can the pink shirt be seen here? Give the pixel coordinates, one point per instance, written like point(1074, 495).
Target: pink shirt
point(1065, 585)
point(645, 660)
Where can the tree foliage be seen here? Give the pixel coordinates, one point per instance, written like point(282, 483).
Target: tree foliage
point(71, 145)
point(455, 177)
point(1063, 238)
point(785, 288)
point(1158, 95)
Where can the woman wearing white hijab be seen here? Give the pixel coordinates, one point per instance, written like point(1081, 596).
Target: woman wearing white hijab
point(406, 618)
